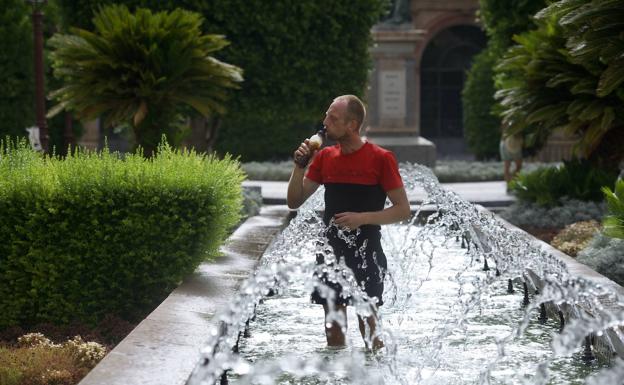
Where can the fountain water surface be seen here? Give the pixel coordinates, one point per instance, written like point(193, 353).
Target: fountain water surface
point(449, 314)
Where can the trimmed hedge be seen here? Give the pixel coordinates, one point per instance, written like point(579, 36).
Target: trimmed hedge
point(94, 234)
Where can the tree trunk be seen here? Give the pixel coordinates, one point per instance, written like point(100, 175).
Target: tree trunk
point(204, 133)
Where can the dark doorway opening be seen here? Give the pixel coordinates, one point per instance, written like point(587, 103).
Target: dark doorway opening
point(443, 71)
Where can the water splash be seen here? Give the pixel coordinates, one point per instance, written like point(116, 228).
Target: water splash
point(288, 268)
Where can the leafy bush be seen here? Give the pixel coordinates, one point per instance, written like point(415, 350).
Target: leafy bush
point(141, 69)
point(504, 19)
point(575, 237)
point(93, 234)
point(568, 211)
point(481, 126)
point(614, 221)
point(574, 179)
point(606, 256)
point(567, 74)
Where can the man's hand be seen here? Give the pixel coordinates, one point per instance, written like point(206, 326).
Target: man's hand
point(399, 211)
point(303, 152)
point(349, 220)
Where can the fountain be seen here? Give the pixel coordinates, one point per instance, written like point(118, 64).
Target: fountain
point(452, 311)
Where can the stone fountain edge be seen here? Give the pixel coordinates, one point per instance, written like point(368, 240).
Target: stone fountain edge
point(164, 348)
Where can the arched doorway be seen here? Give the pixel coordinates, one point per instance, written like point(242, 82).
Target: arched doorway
point(445, 61)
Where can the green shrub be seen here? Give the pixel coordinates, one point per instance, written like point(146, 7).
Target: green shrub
point(502, 20)
point(567, 75)
point(93, 234)
point(481, 126)
point(614, 221)
point(142, 69)
point(575, 179)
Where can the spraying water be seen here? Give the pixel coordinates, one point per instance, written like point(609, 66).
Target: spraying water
point(445, 320)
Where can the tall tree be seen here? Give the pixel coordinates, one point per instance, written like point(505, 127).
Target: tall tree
point(501, 20)
point(16, 68)
point(142, 69)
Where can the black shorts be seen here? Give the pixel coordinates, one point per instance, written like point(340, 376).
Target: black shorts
point(368, 264)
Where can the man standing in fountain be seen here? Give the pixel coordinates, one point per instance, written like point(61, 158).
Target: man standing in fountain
point(357, 176)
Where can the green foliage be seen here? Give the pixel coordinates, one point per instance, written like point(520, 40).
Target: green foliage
point(17, 73)
point(501, 21)
point(16, 67)
point(575, 179)
point(568, 74)
point(504, 19)
point(614, 221)
point(297, 56)
point(93, 234)
point(481, 126)
point(141, 68)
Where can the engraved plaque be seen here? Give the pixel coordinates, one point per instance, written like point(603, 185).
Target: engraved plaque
point(392, 94)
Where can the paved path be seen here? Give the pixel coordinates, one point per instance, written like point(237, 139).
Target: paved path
point(487, 194)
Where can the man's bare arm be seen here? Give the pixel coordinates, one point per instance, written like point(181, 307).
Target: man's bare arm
point(399, 211)
point(299, 188)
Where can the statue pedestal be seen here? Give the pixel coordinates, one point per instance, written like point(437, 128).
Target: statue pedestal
point(393, 99)
point(415, 149)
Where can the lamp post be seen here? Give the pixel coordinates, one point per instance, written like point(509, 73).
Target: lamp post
point(40, 110)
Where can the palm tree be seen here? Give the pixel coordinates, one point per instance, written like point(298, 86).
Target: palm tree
point(142, 69)
point(569, 74)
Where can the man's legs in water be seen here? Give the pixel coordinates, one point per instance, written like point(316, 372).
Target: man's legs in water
point(334, 333)
point(368, 331)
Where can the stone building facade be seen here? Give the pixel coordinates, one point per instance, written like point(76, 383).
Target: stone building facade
point(420, 63)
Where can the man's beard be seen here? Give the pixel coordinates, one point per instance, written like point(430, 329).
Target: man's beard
point(334, 137)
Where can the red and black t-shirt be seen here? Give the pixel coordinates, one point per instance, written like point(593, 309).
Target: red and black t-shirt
point(355, 182)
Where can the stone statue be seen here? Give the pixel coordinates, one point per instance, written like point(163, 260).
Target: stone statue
point(399, 13)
